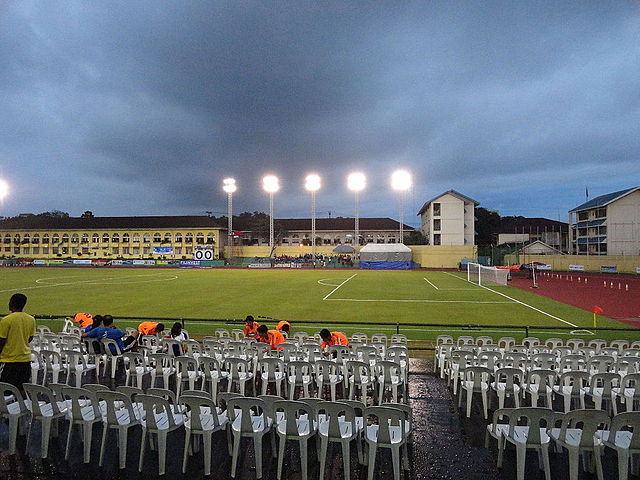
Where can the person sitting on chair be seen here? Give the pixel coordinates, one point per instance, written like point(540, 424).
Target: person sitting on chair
point(272, 337)
point(284, 328)
point(250, 327)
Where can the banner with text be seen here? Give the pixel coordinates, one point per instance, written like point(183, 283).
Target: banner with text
point(608, 269)
point(576, 268)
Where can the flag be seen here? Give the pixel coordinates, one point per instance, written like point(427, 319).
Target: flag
point(586, 192)
point(238, 233)
point(597, 310)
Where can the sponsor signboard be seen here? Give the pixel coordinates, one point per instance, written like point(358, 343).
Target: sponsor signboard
point(576, 268)
point(39, 262)
point(82, 262)
point(543, 266)
point(117, 262)
point(259, 265)
point(163, 250)
point(637, 269)
point(203, 254)
point(189, 263)
point(296, 265)
point(139, 262)
point(608, 269)
point(282, 265)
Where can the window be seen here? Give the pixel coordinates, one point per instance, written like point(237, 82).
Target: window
point(125, 250)
point(45, 250)
point(436, 224)
point(65, 238)
point(167, 238)
point(211, 238)
point(115, 250)
point(55, 250)
point(199, 238)
point(436, 239)
point(178, 250)
point(36, 250)
point(157, 238)
point(25, 250)
point(146, 238)
point(35, 239)
point(115, 238)
point(392, 239)
point(105, 238)
point(85, 238)
point(136, 250)
point(75, 238)
point(189, 250)
point(146, 250)
point(326, 241)
point(125, 238)
point(55, 238)
point(379, 238)
point(369, 238)
point(436, 209)
point(583, 215)
point(7, 238)
point(85, 250)
point(601, 212)
point(189, 238)
point(95, 238)
point(136, 238)
point(26, 238)
point(178, 237)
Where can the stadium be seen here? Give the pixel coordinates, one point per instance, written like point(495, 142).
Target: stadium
point(314, 240)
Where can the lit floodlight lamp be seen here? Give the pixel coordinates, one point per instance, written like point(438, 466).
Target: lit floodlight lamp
point(312, 182)
point(270, 184)
point(401, 180)
point(356, 181)
point(4, 189)
point(229, 185)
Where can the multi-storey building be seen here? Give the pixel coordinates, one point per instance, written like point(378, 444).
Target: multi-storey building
point(518, 231)
point(607, 225)
point(449, 219)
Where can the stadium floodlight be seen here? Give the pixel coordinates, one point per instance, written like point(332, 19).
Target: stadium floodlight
point(229, 186)
point(271, 185)
point(312, 184)
point(4, 189)
point(401, 182)
point(356, 182)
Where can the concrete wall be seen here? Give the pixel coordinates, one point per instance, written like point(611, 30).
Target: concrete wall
point(623, 226)
point(627, 264)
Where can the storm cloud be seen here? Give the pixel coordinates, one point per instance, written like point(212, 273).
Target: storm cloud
point(144, 107)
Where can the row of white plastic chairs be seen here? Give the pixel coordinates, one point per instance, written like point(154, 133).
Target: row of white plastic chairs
point(508, 343)
point(579, 432)
point(160, 411)
point(365, 380)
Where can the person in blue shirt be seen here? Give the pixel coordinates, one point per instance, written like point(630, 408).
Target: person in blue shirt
point(97, 321)
point(108, 330)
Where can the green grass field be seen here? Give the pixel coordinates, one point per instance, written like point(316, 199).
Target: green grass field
point(298, 295)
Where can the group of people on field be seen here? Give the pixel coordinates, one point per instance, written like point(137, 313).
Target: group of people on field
point(274, 338)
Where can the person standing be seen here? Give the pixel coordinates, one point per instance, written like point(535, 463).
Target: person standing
point(16, 332)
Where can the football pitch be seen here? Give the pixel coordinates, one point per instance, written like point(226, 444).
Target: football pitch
point(358, 297)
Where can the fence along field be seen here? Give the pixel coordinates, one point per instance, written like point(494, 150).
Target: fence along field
point(357, 298)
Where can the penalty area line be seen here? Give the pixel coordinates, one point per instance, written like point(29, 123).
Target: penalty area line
point(430, 283)
point(411, 300)
point(338, 286)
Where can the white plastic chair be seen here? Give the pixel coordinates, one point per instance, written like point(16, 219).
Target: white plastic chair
point(600, 389)
point(570, 387)
point(136, 367)
point(299, 375)
point(336, 424)
point(44, 408)
point(629, 392)
point(52, 364)
point(113, 354)
point(272, 370)
point(388, 432)
point(201, 418)
point(160, 419)
point(498, 429)
point(239, 372)
point(76, 364)
point(248, 418)
point(120, 415)
point(13, 408)
point(388, 376)
point(212, 374)
point(187, 371)
point(359, 377)
point(507, 383)
point(623, 437)
point(540, 383)
point(533, 434)
point(84, 411)
point(578, 435)
point(161, 367)
point(475, 380)
point(296, 424)
point(328, 373)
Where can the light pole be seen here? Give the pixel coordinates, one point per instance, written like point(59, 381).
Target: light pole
point(401, 182)
point(229, 186)
point(312, 184)
point(271, 185)
point(356, 182)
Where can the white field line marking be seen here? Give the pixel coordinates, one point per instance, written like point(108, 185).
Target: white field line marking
point(430, 283)
point(322, 282)
point(411, 301)
point(88, 282)
point(338, 286)
point(518, 301)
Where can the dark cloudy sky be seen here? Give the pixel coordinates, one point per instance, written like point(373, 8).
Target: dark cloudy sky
point(144, 107)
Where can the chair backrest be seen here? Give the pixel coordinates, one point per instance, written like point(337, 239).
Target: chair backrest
point(461, 358)
point(292, 410)
point(403, 407)
point(575, 343)
point(271, 366)
point(358, 370)
point(506, 342)
point(530, 341)
point(498, 415)
point(514, 360)
point(606, 381)
point(483, 340)
point(632, 380)
point(464, 340)
point(131, 392)
point(184, 365)
point(589, 421)
point(509, 376)
point(533, 417)
point(171, 346)
point(153, 406)
point(160, 361)
point(73, 358)
point(235, 366)
point(133, 360)
point(573, 362)
point(627, 421)
point(388, 419)
point(298, 369)
point(336, 413)
point(575, 379)
point(545, 361)
point(224, 397)
point(110, 347)
point(600, 363)
point(619, 344)
point(249, 407)
point(441, 339)
point(211, 346)
point(209, 366)
point(93, 346)
point(325, 368)
point(399, 338)
point(115, 403)
point(379, 338)
point(194, 404)
point(554, 342)
point(193, 347)
point(81, 398)
point(165, 393)
point(8, 391)
point(96, 387)
point(477, 375)
point(543, 378)
point(51, 358)
point(597, 343)
point(221, 332)
point(386, 370)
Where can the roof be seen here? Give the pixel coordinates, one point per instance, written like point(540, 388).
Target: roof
point(329, 224)
point(603, 200)
point(539, 242)
point(530, 225)
point(37, 222)
point(385, 247)
point(462, 197)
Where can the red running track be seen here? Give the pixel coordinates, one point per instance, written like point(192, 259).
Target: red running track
point(618, 295)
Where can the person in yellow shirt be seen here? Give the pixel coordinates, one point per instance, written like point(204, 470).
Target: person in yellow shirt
point(16, 332)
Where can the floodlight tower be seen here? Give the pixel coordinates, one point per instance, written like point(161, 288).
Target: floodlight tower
point(356, 182)
point(229, 186)
point(271, 185)
point(401, 182)
point(312, 184)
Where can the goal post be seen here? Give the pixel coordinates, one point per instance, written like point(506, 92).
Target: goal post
point(486, 276)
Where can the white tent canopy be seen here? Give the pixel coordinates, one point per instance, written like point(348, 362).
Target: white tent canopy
point(385, 252)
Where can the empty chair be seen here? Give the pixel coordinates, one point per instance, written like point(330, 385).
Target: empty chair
point(483, 340)
point(460, 359)
point(623, 437)
point(570, 387)
point(389, 377)
point(248, 418)
point(599, 389)
point(488, 360)
point(44, 408)
point(239, 372)
point(619, 344)
point(464, 340)
point(542, 361)
point(506, 343)
point(136, 367)
point(513, 359)
point(531, 434)
point(441, 339)
point(113, 354)
point(578, 434)
point(329, 374)
point(399, 338)
point(388, 430)
point(296, 424)
point(120, 414)
point(272, 370)
point(360, 337)
point(629, 392)
point(84, 411)
point(530, 342)
point(299, 376)
point(359, 378)
point(554, 342)
point(212, 374)
point(475, 380)
point(572, 363)
point(221, 332)
point(162, 367)
point(187, 371)
point(52, 364)
point(600, 364)
point(597, 343)
point(379, 338)
point(498, 429)
point(201, 417)
point(539, 383)
point(160, 419)
point(13, 411)
point(336, 424)
point(575, 343)
point(507, 383)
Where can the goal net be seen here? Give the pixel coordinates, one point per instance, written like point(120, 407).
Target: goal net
point(487, 276)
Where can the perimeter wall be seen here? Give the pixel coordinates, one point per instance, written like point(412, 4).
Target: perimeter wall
point(624, 264)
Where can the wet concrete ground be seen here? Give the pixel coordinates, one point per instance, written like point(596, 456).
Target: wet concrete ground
point(446, 447)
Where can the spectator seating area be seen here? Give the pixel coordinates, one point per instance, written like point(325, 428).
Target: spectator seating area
point(575, 396)
point(223, 389)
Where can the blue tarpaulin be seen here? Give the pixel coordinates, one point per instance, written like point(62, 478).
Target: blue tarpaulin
point(388, 265)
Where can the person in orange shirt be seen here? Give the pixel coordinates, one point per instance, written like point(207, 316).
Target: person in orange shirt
point(332, 338)
point(272, 337)
point(250, 327)
point(150, 328)
point(284, 328)
point(84, 319)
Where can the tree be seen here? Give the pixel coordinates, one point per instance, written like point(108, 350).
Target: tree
point(54, 214)
point(87, 214)
point(487, 225)
point(415, 237)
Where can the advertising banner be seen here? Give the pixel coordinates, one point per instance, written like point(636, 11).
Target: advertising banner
point(282, 265)
point(543, 266)
point(139, 262)
point(576, 268)
point(117, 262)
point(82, 262)
point(189, 263)
point(39, 262)
point(608, 269)
point(637, 269)
point(163, 250)
point(259, 265)
point(56, 262)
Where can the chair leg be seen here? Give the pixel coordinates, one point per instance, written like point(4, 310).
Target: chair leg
point(283, 441)
point(162, 452)
point(257, 445)
point(623, 464)
point(521, 456)
point(187, 439)
point(206, 440)
point(13, 433)
point(87, 431)
point(303, 458)
point(103, 444)
point(346, 459)
point(142, 447)
point(395, 455)
point(373, 448)
point(236, 453)
point(574, 463)
point(123, 434)
point(469, 398)
point(545, 462)
point(324, 443)
point(68, 447)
